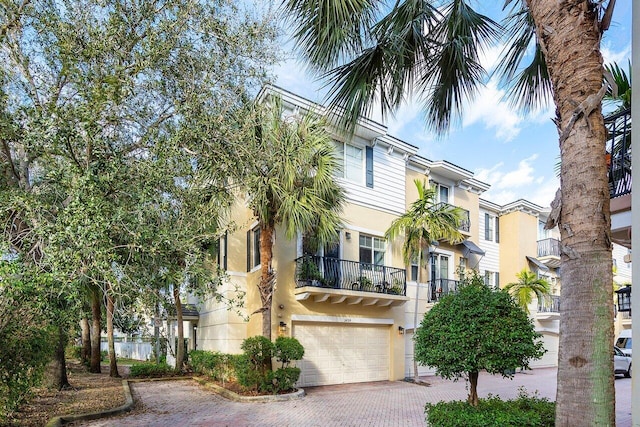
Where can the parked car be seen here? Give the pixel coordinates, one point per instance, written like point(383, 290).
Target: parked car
point(624, 341)
point(621, 363)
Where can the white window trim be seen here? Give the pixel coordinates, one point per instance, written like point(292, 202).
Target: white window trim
point(363, 178)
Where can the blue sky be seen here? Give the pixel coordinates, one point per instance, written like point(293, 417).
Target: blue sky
point(516, 154)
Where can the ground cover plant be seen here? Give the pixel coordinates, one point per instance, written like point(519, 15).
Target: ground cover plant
point(525, 410)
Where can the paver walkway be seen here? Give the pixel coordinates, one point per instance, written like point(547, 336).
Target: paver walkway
point(386, 403)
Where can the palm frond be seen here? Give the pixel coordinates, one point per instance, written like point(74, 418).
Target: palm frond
point(328, 31)
point(454, 73)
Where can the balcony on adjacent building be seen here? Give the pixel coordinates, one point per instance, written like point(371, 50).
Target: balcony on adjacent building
point(341, 281)
point(548, 307)
point(618, 153)
point(549, 252)
point(442, 287)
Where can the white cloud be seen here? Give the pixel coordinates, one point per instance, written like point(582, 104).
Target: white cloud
point(519, 183)
point(619, 58)
point(490, 109)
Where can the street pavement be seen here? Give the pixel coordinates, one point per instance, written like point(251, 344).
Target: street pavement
point(385, 403)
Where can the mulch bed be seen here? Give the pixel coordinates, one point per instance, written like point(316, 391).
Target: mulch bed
point(90, 393)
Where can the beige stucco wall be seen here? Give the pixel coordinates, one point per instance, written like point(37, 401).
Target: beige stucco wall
point(518, 238)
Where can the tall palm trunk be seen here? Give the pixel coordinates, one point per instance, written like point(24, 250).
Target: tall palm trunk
point(570, 38)
point(180, 339)
point(96, 316)
point(85, 354)
point(267, 278)
point(415, 314)
point(113, 364)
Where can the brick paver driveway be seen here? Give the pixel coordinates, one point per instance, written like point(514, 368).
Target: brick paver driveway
point(184, 403)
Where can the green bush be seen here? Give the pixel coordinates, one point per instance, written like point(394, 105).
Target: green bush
point(249, 377)
point(524, 411)
point(218, 366)
point(287, 349)
point(284, 379)
point(74, 352)
point(150, 370)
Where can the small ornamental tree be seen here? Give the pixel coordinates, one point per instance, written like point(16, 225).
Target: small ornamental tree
point(477, 328)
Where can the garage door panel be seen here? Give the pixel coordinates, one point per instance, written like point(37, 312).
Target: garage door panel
point(337, 354)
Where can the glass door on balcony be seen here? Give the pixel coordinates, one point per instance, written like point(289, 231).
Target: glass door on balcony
point(331, 264)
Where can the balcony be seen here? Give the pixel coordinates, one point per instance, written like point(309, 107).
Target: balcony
point(549, 252)
point(618, 152)
point(465, 222)
point(548, 307)
point(340, 281)
point(440, 288)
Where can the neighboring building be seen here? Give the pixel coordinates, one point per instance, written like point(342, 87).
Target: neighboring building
point(352, 303)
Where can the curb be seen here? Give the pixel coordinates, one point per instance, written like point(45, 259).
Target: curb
point(64, 419)
point(228, 394)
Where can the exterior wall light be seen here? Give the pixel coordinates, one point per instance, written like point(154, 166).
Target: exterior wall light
point(400, 330)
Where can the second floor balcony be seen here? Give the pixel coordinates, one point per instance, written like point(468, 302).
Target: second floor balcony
point(442, 287)
point(549, 252)
point(548, 307)
point(338, 280)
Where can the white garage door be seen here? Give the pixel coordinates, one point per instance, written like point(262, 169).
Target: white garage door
point(550, 358)
point(339, 354)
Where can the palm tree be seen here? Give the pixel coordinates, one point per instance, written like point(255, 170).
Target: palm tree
point(290, 181)
point(425, 221)
point(528, 284)
point(376, 52)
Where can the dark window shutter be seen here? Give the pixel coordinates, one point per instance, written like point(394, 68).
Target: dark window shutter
point(249, 250)
point(497, 230)
point(224, 260)
point(497, 280)
point(370, 167)
point(487, 234)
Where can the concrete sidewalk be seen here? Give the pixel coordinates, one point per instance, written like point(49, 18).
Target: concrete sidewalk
point(384, 403)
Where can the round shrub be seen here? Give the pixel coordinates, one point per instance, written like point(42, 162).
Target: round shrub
point(287, 349)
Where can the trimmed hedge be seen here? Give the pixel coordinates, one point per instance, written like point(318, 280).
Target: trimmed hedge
point(524, 411)
point(252, 368)
point(150, 370)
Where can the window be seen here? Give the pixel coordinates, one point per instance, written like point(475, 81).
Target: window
point(442, 192)
point(491, 228)
point(439, 267)
point(221, 249)
point(414, 268)
point(371, 250)
point(253, 248)
point(491, 278)
point(354, 162)
point(542, 233)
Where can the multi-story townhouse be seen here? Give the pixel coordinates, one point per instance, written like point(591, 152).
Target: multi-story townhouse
point(353, 314)
point(356, 314)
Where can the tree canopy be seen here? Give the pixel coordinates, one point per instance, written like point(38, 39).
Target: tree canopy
point(477, 329)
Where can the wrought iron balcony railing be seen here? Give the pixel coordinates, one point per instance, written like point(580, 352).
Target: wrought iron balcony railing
point(549, 304)
point(618, 152)
point(548, 247)
point(442, 287)
point(337, 273)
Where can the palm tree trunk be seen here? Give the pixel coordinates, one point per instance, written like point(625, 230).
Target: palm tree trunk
point(266, 278)
point(570, 37)
point(113, 364)
point(415, 315)
point(85, 354)
point(96, 316)
point(180, 339)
